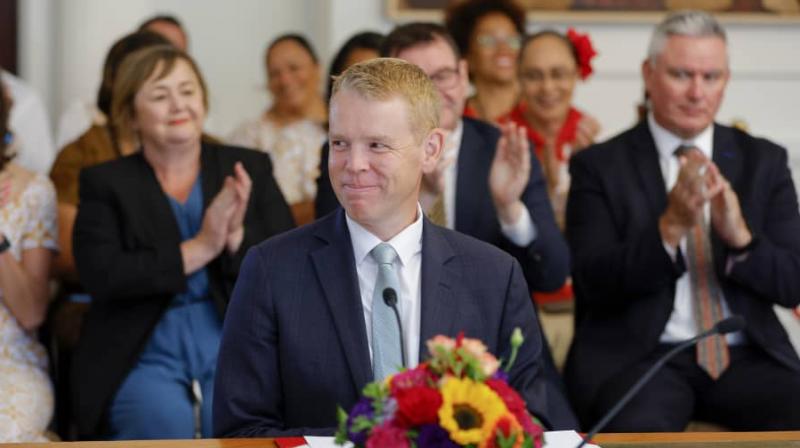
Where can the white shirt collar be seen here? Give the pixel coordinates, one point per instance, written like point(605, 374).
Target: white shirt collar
point(667, 142)
point(407, 243)
point(453, 140)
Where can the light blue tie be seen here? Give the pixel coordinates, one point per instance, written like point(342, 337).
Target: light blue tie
point(386, 356)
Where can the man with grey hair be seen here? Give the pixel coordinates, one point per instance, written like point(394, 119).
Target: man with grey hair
point(674, 225)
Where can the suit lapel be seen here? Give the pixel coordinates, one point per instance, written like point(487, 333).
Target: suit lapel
point(161, 220)
point(645, 158)
point(211, 171)
point(471, 180)
point(729, 159)
point(727, 154)
point(438, 309)
point(335, 268)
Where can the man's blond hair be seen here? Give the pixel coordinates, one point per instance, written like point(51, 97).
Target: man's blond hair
point(385, 78)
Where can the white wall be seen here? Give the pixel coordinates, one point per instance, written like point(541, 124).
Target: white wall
point(62, 45)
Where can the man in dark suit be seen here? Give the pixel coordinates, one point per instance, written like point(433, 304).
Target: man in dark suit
point(666, 243)
point(303, 335)
point(473, 195)
point(473, 192)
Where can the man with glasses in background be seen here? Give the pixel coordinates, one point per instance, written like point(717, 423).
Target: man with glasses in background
point(487, 184)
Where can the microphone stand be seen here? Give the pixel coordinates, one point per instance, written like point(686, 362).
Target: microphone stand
point(734, 323)
point(390, 299)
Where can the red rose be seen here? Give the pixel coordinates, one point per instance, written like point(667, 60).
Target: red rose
point(515, 404)
point(387, 435)
point(510, 397)
point(417, 406)
point(418, 376)
point(506, 426)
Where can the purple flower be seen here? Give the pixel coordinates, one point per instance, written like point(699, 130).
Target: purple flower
point(362, 408)
point(434, 436)
point(500, 375)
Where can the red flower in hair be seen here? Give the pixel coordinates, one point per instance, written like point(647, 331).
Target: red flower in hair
point(584, 50)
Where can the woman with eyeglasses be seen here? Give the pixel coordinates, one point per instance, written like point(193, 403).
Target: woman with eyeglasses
point(488, 34)
point(27, 245)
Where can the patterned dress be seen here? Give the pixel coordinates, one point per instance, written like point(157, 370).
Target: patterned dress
point(28, 220)
point(295, 152)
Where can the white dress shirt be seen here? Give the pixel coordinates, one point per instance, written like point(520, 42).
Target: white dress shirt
point(521, 233)
point(682, 324)
point(408, 244)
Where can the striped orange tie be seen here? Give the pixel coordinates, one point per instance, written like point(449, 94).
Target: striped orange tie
point(712, 352)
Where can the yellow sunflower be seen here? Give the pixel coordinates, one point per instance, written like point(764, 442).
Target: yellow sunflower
point(469, 410)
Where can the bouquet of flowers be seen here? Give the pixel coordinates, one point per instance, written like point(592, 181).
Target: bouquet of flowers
point(458, 397)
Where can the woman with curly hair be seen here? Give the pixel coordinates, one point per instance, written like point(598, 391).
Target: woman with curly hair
point(488, 34)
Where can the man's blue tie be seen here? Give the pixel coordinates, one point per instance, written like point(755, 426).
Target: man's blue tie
point(386, 357)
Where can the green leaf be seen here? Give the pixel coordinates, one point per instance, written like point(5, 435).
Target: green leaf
point(528, 442)
point(362, 423)
point(341, 431)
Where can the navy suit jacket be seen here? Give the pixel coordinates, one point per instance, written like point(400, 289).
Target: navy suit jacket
point(294, 344)
point(545, 262)
point(624, 279)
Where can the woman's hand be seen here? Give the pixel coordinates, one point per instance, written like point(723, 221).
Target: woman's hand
point(242, 185)
point(213, 235)
point(588, 128)
point(509, 173)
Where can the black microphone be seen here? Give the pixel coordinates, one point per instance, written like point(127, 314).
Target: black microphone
point(390, 299)
point(729, 325)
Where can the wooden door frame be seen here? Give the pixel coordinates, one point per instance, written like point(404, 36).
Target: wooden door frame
point(8, 35)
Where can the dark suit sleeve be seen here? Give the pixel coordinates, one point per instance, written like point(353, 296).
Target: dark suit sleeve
point(326, 201)
point(109, 269)
point(545, 261)
point(247, 391)
point(611, 263)
point(527, 374)
point(248, 398)
point(268, 214)
point(772, 269)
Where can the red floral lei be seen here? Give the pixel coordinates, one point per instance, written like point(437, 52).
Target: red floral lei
point(566, 134)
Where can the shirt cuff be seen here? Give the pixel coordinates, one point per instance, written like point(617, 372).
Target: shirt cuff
point(523, 232)
point(671, 251)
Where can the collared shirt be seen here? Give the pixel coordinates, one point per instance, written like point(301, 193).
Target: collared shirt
point(681, 324)
point(521, 233)
point(408, 244)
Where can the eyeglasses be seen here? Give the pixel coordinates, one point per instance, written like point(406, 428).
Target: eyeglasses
point(445, 78)
point(7, 138)
point(491, 41)
point(556, 75)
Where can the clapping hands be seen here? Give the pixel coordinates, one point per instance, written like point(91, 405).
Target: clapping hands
point(223, 223)
point(510, 171)
point(699, 183)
